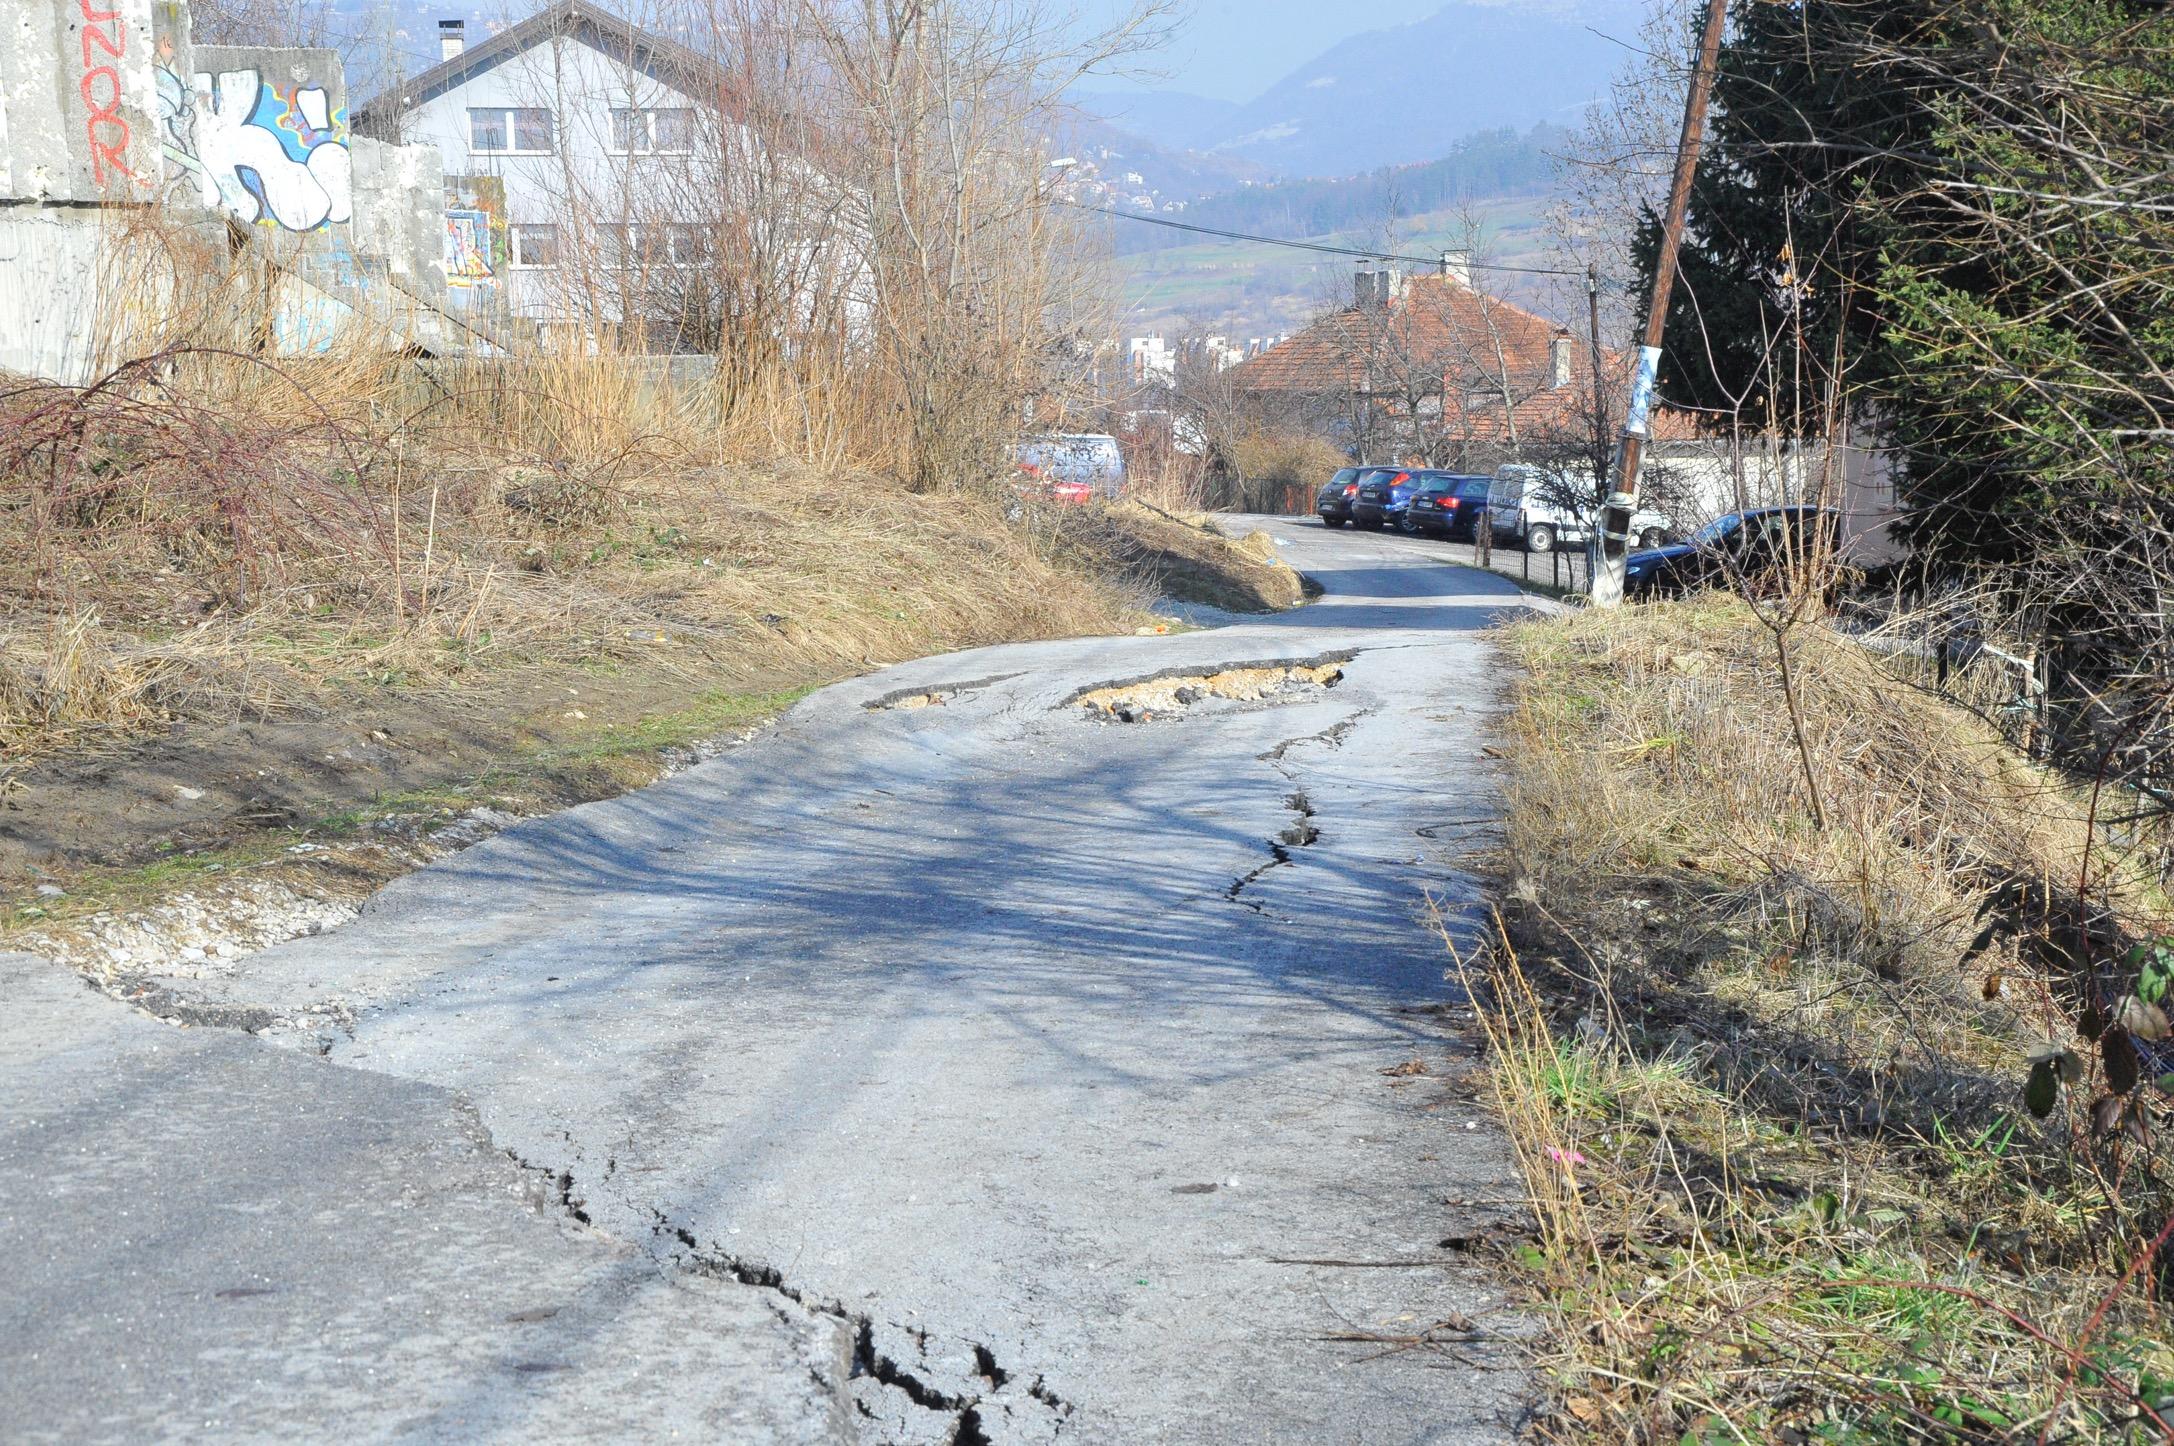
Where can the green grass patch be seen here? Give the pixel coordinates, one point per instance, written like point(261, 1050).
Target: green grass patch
point(535, 777)
point(710, 715)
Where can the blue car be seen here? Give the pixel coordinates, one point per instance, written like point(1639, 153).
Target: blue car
point(1447, 505)
point(1742, 549)
point(1383, 496)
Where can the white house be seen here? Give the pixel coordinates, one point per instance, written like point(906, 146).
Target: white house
point(594, 173)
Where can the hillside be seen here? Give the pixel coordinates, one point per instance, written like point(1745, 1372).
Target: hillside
point(1245, 289)
point(1490, 166)
point(1398, 95)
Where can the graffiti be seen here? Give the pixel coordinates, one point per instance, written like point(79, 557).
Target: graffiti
point(177, 120)
point(257, 151)
point(475, 233)
point(106, 129)
point(468, 249)
point(305, 323)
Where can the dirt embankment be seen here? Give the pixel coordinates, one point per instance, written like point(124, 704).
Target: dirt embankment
point(1197, 561)
point(199, 817)
point(1815, 1149)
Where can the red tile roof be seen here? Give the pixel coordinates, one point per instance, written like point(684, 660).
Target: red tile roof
point(1440, 337)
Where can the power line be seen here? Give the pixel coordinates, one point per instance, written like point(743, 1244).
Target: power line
point(1314, 245)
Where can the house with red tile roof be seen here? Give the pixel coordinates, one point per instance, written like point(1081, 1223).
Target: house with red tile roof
point(1430, 368)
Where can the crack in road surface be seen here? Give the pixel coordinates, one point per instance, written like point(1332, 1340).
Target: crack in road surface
point(930, 991)
point(1326, 738)
point(885, 1355)
point(907, 700)
point(876, 1365)
point(1302, 833)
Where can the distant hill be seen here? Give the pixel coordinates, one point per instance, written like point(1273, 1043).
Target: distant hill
point(1490, 166)
point(1237, 288)
point(1171, 119)
point(1404, 94)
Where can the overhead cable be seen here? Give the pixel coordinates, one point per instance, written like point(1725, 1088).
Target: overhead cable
point(1315, 245)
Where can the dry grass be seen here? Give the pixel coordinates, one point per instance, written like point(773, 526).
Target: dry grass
point(1288, 457)
point(715, 572)
point(210, 532)
point(1767, 1097)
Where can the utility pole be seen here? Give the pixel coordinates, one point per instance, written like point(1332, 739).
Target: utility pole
point(1600, 401)
point(1615, 517)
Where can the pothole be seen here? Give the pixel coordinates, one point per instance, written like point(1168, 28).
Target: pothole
point(1166, 697)
point(908, 700)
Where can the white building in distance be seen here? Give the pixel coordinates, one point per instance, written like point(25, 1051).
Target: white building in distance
point(597, 174)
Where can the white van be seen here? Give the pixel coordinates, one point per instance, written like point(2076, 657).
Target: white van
point(1534, 508)
point(1080, 459)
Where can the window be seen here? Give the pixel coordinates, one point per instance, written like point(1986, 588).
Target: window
point(487, 131)
point(650, 246)
point(510, 131)
point(532, 132)
point(637, 131)
point(672, 129)
point(686, 245)
point(535, 247)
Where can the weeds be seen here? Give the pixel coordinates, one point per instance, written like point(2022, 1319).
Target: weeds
point(194, 558)
point(1773, 1096)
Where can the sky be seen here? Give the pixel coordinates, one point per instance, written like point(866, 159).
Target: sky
point(1235, 49)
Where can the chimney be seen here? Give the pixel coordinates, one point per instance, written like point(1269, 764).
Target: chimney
point(1558, 352)
point(1457, 267)
point(452, 38)
point(1368, 290)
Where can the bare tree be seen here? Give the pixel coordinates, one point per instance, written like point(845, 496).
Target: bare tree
point(939, 108)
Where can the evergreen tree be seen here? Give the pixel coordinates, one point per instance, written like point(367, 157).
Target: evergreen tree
point(1964, 204)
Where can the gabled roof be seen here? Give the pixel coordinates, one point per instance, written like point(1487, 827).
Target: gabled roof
point(663, 60)
point(1435, 321)
point(1462, 341)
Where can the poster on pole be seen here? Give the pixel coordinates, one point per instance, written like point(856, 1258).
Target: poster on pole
point(1645, 381)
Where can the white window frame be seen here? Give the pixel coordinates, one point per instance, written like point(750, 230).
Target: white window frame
point(515, 245)
point(505, 114)
point(698, 245)
point(645, 117)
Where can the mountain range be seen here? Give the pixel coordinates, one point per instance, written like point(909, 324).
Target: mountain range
point(1394, 96)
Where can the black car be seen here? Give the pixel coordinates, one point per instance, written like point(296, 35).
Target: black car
point(1447, 505)
point(1742, 549)
point(1332, 504)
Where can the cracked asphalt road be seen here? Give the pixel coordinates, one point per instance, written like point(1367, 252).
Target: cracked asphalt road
point(947, 1064)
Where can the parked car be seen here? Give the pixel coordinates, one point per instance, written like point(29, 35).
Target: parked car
point(1382, 496)
point(1447, 505)
point(1742, 547)
point(1072, 460)
point(1533, 509)
point(1332, 504)
point(1031, 481)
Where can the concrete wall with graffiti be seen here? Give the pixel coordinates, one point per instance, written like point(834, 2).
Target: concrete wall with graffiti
point(78, 102)
point(261, 135)
point(107, 103)
point(476, 243)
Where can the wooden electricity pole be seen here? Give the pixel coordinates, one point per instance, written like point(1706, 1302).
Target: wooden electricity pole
point(1615, 518)
point(1601, 449)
